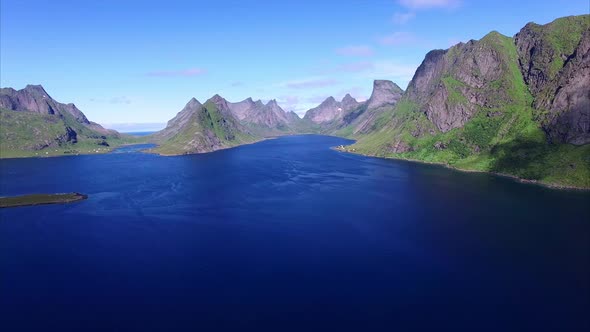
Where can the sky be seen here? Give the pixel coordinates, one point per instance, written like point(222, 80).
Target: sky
point(132, 65)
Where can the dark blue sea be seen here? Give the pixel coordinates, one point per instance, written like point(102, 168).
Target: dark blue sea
point(288, 235)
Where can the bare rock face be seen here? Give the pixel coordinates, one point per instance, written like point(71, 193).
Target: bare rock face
point(203, 128)
point(181, 119)
point(384, 93)
point(328, 110)
point(243, 108)
point(554, 60)
point(269, 115)
point(34, 99)
point(331, 109)
point(293, 117)
point(348, 102)
point(450, 85)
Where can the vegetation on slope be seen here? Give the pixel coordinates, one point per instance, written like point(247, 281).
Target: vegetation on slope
point(502, 138)
point(29, 134)
point(207, 130)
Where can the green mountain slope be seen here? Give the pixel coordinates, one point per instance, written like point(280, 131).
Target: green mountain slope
point(469, 107)
point(33, 124)
point(202, 128)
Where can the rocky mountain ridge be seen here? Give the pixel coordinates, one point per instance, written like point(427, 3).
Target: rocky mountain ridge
point(513, 105)
point(33, 123)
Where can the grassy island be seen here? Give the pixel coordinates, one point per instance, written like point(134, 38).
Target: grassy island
point(40, 199)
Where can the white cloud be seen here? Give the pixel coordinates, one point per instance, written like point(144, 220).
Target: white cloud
point(398, 38)
point(403, 18)
point(355, 66)
point(358, 50)
point(427, 4)
point(310, 83)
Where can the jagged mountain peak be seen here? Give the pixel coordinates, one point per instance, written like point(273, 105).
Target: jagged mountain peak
point(348, 98)
point(386, 84)
point(69, 125)
point(217, 98)
point(193, 102)
point(384, 93)
point(328, 101)
point(36, 88)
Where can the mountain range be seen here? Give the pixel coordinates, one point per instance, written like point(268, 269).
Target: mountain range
point(513, 105)
point(34, 124)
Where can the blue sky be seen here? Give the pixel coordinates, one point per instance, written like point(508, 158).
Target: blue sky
point(140, 62)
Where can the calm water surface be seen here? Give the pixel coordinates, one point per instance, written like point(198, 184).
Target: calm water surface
point(287, 234)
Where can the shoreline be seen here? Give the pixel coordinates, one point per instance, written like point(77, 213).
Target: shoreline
point(340, 148)
point(110, 150)
point(503, 175)
point(220, 149)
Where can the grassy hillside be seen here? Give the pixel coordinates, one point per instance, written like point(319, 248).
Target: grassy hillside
point(207, 130)
point(28, 134)
point(502, 138)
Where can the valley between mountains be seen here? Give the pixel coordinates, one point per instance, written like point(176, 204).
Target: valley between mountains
point(517, 105)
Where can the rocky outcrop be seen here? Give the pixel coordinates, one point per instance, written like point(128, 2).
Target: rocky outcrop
point(554, 60)
point(451, 85)
point(33, 98)
point(350, 117)
point(385, 93)
point(499, 104)
point(348, 103)
point(327, 111)
point(201, 128)
point(243, 109)
point(33, 121)
point(331, 110)
point(176, 124)
point(293, 117)
point(266, 118)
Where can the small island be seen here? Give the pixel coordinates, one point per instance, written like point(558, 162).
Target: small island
point(41, 199)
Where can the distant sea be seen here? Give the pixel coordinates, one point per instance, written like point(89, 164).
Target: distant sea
point(139, 133)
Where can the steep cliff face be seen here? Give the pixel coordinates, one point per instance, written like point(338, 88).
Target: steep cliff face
point(385, 93)
point(328, 110)
point(555, 62)
point(498, 104)
point(270, 115)
point(384, 97)
point(34, 98)
point(244, 108)
point(32, 122)
point(180, 121)
point(265, 119)
point(451, 85)
point(351, 118)
point(349, 103)
point(202, 128)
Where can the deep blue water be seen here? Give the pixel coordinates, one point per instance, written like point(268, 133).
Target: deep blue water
point(287, 234)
